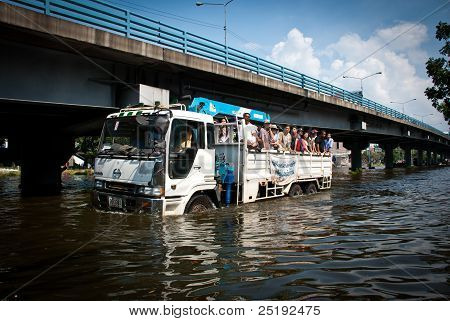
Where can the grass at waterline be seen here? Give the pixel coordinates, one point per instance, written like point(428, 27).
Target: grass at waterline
point(82, 171)
point(7, 172)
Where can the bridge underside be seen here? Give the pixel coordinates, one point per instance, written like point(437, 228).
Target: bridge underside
point(41, 139)
point(55, 89)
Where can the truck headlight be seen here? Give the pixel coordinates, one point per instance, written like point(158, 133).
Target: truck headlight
point(99, 184)
point(150, 191)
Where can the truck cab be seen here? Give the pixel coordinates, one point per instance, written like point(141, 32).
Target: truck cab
point(154, 159)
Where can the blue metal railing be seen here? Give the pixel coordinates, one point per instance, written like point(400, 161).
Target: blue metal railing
point(111, 18)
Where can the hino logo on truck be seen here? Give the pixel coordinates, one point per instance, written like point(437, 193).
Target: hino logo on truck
point(117, 173)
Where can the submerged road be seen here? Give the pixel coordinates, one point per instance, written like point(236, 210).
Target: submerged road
point(381, 235)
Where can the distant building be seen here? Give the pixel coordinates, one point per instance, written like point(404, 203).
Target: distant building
point(340, 154)
point(75, 161)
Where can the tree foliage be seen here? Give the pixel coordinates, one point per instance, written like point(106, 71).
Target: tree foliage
point(87, 147)
point(438, 69)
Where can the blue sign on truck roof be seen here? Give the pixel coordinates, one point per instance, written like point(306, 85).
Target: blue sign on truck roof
point(217, 109)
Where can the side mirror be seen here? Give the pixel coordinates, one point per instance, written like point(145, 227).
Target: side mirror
point(162, 123)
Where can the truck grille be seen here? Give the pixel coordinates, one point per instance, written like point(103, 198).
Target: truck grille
point(121, 187)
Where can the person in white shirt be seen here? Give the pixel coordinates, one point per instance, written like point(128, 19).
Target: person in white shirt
point(252, 140)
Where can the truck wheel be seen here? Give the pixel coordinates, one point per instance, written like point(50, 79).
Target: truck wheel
point(199, 204)
point(311, 188)
point(295, 191)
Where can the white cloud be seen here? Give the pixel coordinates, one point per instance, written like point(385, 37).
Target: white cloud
point(412, 36)
point(252, 46)
point(296, 52)
point(337, 64)
point(398, 63)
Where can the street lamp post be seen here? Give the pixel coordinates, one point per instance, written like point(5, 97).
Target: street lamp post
point(198, 4)
point(403, 103)
point(362, 78)
point(423, 116)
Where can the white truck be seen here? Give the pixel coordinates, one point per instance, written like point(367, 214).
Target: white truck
point(171, 161)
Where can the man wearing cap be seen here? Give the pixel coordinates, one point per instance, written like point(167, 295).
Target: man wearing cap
point(265, 135)
point(312, 141)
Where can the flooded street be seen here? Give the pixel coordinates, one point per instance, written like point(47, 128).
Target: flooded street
point(381, 235)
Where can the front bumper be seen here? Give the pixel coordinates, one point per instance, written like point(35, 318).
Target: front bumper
point(129, 204)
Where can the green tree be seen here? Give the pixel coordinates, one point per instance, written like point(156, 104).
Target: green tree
point(438, 69)
point(87, 147)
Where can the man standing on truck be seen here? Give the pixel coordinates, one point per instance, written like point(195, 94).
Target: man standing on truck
point(247, 126)
point(285, 138)
point(265, 135)
point(320, 142)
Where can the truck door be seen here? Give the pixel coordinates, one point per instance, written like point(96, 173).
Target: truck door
point(191, 163)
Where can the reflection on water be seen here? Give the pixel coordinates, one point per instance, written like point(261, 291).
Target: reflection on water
point(381, 235)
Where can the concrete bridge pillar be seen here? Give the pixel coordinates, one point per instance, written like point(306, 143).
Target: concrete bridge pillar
point(407, 150)
point(41, 163)
point(420, 157)
point(435, 158)
point(388, 155)
point(428, 157)
point(356, 148)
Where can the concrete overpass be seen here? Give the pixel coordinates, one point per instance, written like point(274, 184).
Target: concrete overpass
point(66, 64)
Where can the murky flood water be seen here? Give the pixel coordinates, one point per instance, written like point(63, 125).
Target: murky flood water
point(382, 235)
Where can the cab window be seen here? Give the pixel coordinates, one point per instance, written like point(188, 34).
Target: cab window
point(186, 137)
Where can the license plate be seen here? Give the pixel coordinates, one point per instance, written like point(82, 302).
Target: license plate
point(115, 202)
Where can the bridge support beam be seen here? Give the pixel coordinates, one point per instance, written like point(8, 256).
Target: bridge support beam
point(435, 158)
point(41, 163)
point(356, 148)
point(407, 150)
point(428, 157)
point(419, 157)
point(388, 155)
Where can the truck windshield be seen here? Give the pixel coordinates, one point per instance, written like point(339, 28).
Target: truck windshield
point(134, 136)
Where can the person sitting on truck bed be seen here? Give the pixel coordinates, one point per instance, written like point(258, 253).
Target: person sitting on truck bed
point(295, 137)
point(329, 143)
point(312, 141)
point(303, 145)
point(252, 141)
point(223, 132)
point(285, 138)
point(274, 135)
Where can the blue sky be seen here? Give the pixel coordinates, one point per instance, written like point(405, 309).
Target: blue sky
point(322, 38)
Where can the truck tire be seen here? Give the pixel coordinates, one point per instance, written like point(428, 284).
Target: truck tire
point(295, 190)
point(199, 204)
point(311, 188)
